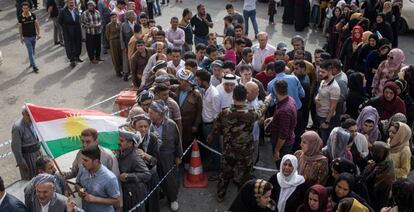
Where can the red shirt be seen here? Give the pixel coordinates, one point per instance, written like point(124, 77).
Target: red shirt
point(264, 79)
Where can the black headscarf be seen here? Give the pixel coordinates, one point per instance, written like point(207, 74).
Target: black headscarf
point(403, 194)
point(249, 195)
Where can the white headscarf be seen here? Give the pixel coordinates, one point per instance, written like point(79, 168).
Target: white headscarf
point(288, 184)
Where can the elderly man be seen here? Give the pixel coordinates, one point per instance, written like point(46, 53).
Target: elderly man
point(45, 198)
point(69, 19)
point(25, 145)
point(170, 149)
point(225, 90)
point(134, 172)
point(298, 42)
point(160, 48)
point(260, 51)
point(253, 103)
point(190, 102)
point(89, 137)
point(8, 202)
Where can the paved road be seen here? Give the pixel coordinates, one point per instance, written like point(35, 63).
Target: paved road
point(58, 85)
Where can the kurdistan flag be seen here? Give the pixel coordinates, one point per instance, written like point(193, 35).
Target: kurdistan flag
point(59, 129)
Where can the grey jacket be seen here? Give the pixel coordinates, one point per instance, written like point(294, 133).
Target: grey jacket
point(126, 34)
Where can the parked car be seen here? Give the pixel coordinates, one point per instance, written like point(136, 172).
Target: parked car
point(407, 17)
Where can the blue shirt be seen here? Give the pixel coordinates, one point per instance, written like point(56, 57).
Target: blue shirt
point(102, 184)
point(181, 98)
point(295, 89)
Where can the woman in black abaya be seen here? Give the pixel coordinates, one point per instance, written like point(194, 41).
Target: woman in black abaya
point(289, 12)
point(302, 10)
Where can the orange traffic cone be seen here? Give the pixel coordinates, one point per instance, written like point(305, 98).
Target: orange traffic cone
point(195, 178)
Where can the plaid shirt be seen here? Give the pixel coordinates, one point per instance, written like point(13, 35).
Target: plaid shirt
point(92, 22)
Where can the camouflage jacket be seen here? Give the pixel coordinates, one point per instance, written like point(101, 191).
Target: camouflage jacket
point(236, 126)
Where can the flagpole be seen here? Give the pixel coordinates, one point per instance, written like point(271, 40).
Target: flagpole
point(47, 150)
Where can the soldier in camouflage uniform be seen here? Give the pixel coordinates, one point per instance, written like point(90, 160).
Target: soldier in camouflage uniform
point(236, 126)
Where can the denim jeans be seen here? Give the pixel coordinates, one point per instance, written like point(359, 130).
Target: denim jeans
point(157, 7)
point(214, 158)
point(252, 15)
point(315, 14)
point(30, 43)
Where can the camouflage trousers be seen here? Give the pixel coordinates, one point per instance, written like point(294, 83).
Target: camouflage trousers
point(236, 168)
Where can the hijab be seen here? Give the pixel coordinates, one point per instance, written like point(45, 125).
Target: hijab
point(314, 153)
point(337, 142)
point(356, 29)
point(249, 196)
point(356, 82)
point(289, 183)
point(371, 114)
point(383, 171)
point(398, 57)
point(366, 36)
point(398, 117)
point(342, 165)
point(396, 105)
point(375, 37)
point(403, 194)
point(403, 85)
point(322, 193)
point(401, 139)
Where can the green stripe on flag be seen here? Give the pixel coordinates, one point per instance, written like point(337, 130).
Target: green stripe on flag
point(62, 146)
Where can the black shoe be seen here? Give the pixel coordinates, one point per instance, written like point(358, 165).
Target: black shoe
point(105, 51)
point(57, 43)
point(79, 60)
point(72, 64)
point(125, 78)
point(61, 43)
point(35, 70)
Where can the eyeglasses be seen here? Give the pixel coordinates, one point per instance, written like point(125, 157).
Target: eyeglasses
point(390, 57)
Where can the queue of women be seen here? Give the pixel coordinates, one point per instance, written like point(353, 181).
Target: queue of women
point(365, 162)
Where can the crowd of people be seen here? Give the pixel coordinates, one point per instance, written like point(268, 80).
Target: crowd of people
point(339, 120)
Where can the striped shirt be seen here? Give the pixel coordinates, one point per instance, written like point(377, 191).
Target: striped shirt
point(92, 21)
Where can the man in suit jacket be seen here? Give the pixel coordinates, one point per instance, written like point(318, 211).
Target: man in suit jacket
point(69, 20)
point(9, 203)
point(45, 197)
point(127, 30)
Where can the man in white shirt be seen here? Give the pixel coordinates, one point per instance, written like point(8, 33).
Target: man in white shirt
point(177, 63)
point(249, 11)
point(260, 51)
point(225, 90)
point(45, 198)
point(211, 108)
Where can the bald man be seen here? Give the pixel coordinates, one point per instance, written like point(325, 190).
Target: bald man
point(254, 103)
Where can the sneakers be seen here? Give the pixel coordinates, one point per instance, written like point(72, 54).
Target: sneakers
point(174, 206)
point(35, 70)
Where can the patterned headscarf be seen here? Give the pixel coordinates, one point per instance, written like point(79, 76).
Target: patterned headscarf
point(146, 137)
point(185, 74)
point(160, 107)
point(145, 95)
point(125, 133)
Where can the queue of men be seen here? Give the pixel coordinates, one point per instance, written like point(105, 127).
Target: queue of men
point(230, 96)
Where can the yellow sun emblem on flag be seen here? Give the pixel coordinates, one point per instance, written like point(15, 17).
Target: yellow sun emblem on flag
point(74, 125)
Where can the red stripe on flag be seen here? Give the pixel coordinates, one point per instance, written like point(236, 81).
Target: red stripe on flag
point(41, 114)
